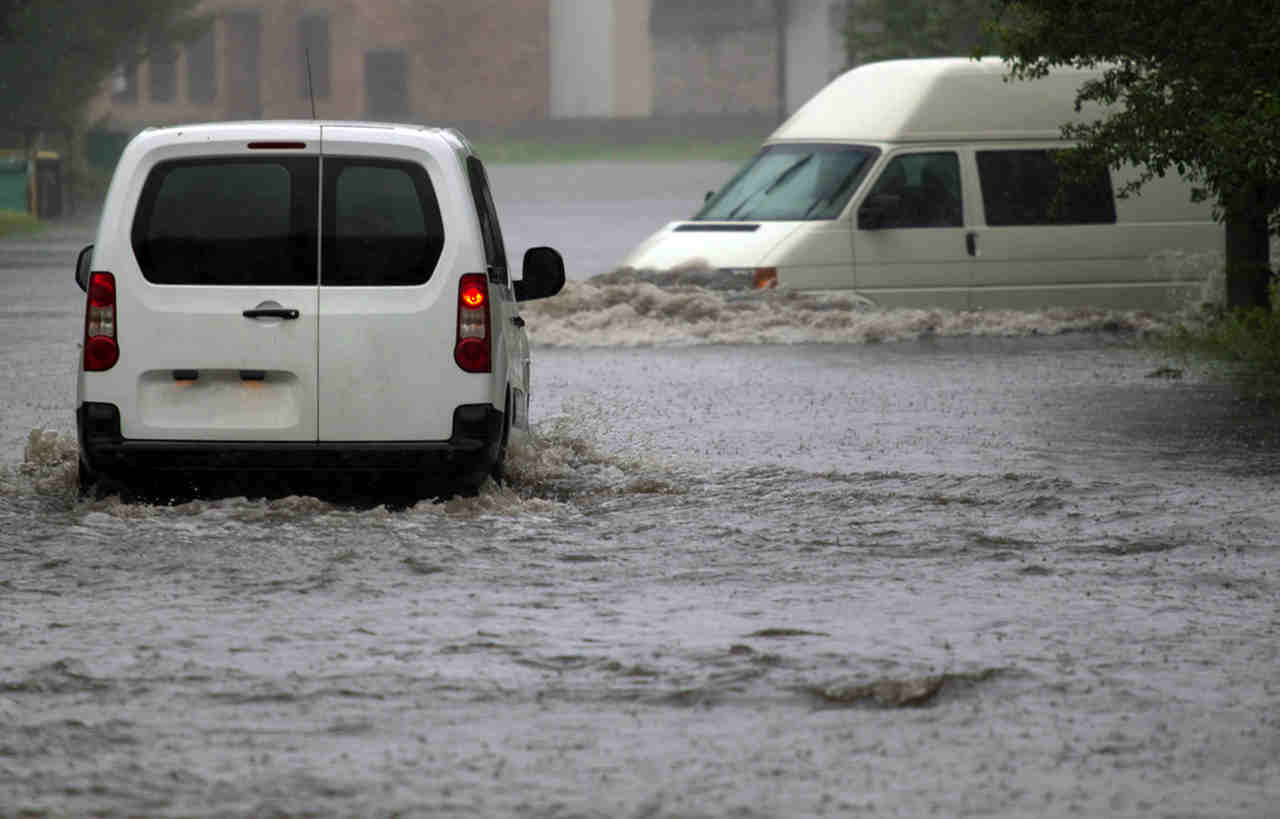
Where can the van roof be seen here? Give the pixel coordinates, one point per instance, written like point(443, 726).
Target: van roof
point(935, 100)
point(281, 127)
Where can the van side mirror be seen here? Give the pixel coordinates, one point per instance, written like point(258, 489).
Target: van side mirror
point(83, 264)
point(543, 274)
point(707, 198)
point(876, 211)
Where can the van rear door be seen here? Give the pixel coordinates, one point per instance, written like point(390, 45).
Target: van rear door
point(218, 300)
point(388, 305)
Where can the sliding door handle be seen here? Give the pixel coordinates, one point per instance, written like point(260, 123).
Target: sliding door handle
point(271, 309)
point(272, 312)
point(971, 243)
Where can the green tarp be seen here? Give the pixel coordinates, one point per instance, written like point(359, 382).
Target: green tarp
point(13, 184)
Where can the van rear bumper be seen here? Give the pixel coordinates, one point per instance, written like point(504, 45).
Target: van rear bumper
point(473, 448)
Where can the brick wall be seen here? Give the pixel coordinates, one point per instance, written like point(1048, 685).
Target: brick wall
point(483, 60)
point(714, 57)
point(731, 72)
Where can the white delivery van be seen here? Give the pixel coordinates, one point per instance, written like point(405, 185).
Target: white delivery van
point(305, 297)
point(933, 183)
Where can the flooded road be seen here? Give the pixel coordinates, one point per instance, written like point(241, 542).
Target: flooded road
point(762, 557)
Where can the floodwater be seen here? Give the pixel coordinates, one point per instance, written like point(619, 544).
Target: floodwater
point(763, 556)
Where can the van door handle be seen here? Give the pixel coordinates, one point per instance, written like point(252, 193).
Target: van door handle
point(518, 321)
point(272, 312)
point(971, 243)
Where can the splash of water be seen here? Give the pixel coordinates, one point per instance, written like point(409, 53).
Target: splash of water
point(562, 458)
point(628, 313)
point(50, 465)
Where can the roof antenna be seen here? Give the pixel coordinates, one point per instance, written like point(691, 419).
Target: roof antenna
point(311, 91)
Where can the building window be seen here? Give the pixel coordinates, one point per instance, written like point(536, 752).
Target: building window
point(313, 39)
point(386, 84)
point(202, 68)
point(124, 83)
point(164, 71)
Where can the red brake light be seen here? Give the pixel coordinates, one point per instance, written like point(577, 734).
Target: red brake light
point(473, 296)
point(101, 351)
point(472, 351)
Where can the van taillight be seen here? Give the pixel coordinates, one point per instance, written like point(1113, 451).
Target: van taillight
point(100, 349)
point(472, 350)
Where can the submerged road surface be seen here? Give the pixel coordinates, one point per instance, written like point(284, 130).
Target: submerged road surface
point(751, 563)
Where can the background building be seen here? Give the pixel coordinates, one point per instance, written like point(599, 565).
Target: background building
point(539, 69)
point(416, 60)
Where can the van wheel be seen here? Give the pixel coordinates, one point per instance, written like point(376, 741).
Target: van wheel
point(91, 485)
point(86, 481)
point(499, 470)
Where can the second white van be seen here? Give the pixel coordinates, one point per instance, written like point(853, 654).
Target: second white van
point(934, 183)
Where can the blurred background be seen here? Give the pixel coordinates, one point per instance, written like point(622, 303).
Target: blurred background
point(530, 82)
point(526, 80)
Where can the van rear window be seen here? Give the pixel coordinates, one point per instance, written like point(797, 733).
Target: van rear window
point(229, 221)
point(1023, 188)
point(382, 225)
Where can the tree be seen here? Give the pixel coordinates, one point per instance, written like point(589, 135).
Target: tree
point(1191, 87)
point(56, 54)
point(889, 29)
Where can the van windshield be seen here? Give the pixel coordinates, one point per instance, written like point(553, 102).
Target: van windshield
point(792, 182)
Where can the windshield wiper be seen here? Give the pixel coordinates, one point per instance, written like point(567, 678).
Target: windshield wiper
point(839, 189)
point(786, 174)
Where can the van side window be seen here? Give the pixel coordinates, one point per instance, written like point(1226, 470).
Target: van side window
point(495, 253)
point(381, 225)
point(228, 222)
point(1023, 188)
point(918, 191)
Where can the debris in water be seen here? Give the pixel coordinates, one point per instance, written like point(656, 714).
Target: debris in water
point(912, 692)
point(1171, 373)
point(787, 632)
point(420, 567)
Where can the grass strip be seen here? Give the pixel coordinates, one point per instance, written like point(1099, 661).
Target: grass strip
point(17, 223)
point(1243, 345)
point(525, 152)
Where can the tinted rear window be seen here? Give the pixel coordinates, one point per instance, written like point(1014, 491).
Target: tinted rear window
point(382, 224)
point(1024, 188)
point(229, 222)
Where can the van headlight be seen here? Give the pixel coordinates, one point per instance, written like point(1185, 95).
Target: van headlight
point(759, 278)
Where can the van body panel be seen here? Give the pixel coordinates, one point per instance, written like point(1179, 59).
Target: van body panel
point(512, 357)
point(1164, 199)
point(888, 263)
point(815, 254)
point(168, 332)
point(702, 244)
